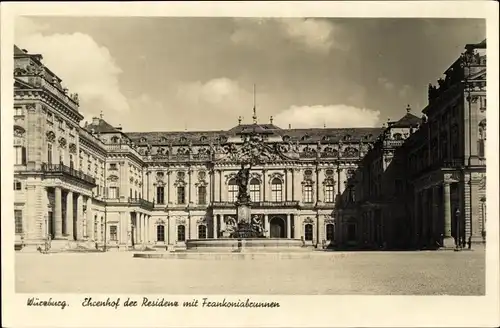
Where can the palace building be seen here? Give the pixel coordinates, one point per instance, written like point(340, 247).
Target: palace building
point(95, 184)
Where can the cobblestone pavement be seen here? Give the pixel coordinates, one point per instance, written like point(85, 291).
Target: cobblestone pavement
point(369, 273)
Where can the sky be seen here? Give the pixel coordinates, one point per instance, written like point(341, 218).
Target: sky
point(176, 74)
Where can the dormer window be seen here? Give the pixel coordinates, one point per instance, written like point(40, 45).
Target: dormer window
point(143, 139)
point(325, 138)
point(306, 137)
point(115, 139)
point(163, 140)
point(286, 138)
point(347, 137)
point(203, 139)
point(398, 136)
point(182, 139)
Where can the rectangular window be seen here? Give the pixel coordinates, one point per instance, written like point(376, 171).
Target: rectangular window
point(276, 191)
point(20, 154)
point(202, 195)
point(112, 166)
point(181, 195)
point(61, 156)
point(113, 233)
point(160, 195)
point(480, 148)
point(18, 216)
point(18, 111)
point(308, 194)
point(329, 194)
point(71, 162)
point(232, 192)
point(130, 194)
point(113, 192)
point(17, 185)
point(255, 192)
point(49, 153)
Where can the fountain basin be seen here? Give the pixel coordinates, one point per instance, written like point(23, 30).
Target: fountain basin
point(255, 245)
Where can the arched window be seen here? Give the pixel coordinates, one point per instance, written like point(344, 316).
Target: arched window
point(255, 190)
point(276, 190)
point(308, 193)
point(181, 233)
point(115, 139)
point(202, 231)
point(330, 231)
point(232, 188)
point(308, 232)
point(351, 232)
point(398, 136)
point(329, 192)
point(160, 232)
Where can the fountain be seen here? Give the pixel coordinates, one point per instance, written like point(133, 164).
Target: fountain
point(246, 232)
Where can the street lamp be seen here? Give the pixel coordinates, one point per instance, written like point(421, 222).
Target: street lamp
point(457, 240)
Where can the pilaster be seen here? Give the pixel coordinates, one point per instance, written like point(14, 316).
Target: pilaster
point(69, 215)
point(90, 221)
point(448, 241)
point(57, 222)
point(79, 218)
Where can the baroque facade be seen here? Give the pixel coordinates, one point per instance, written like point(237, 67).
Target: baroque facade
point(99, 184)
point(398, 186)
point(423, 185)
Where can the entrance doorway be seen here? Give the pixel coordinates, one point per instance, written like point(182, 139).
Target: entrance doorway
point(277, 227)
point(50, 225)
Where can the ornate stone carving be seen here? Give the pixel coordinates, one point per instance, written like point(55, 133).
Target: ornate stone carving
point(113, 178)
point(19, 131)
point(180, 221)
point(72, 148)
point(62, 142)
point(31, 107)
point(274, 175)
point(308, 220)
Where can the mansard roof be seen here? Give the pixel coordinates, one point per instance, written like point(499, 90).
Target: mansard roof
point(409, 120)
point(98, 125)
point(313, 135)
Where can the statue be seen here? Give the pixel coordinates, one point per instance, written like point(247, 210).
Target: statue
point(242, 181)
point(257, 223)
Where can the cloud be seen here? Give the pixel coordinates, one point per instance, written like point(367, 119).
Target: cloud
point(388, 85)
point(219, 95)
point(405, 91)
point(85, 67)
point(313, 34)
point(333, 116)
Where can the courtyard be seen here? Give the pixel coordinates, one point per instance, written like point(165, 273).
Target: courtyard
point(327, 273)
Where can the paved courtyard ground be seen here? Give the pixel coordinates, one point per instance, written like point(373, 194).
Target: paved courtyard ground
point(361, 273)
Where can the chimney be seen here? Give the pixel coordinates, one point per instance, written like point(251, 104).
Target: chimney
point(289, 126)
point(95, 120)
point(119, 128)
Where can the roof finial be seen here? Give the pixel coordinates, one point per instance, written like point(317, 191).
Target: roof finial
point(101, 115)
point(254, 107)
point(239, 120)
point(271, 119)
point(324, 125)
point(408, 108)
